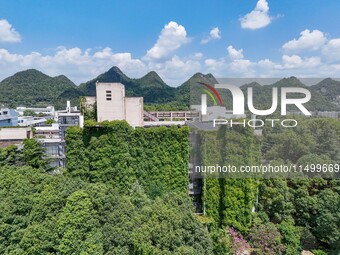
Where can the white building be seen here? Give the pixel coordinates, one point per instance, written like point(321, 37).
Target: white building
point(15, 133)
point(113, 105)
point(52, 137)
point(47, 111)
point(30, 121)
point(68, 118)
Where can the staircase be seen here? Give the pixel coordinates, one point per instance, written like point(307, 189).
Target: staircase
point(150, 116)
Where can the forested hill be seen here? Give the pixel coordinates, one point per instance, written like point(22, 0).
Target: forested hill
point(150, 86)
point(33, 88)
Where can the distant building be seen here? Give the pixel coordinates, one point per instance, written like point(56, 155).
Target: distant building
point(54, 151)
point(8, 117)
point(30, 121)
point(52, 137)
point(15, 133)
point(329, 114)
point(67, 118)
point(113, 105)
point(89, 102)
point(47, 111)
point(46, 132)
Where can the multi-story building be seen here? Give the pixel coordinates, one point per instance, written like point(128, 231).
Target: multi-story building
point(67, 118)
point(52, 137)
point(31, 121)
point(47, 111)
point(8, 117)
point(113, 105)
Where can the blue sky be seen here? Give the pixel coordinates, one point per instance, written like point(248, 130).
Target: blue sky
point(229, 38)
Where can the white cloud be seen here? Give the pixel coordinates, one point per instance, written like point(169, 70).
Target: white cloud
point(233, 53)
point(214, 34)
point(308, 40)
point(75, 63)
point(8, 33)
point(176, 70)
point(198, 55)
point(331, 50)
point(171, 38)
point(295, 61)
point(257, 18)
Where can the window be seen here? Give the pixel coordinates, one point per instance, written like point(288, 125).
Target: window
point(108, 95)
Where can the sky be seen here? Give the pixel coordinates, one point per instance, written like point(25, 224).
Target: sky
point(228, 38)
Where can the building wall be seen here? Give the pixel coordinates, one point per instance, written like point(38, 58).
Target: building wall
point(55, 151)
point(89, 102)
point(49, 110)
point(110, 101)
point(15, 133)
point(8, 118)
point(134, 111)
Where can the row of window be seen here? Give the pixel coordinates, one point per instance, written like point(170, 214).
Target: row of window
point(108, 95)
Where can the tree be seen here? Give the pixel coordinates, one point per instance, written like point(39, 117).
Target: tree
point(50, 121)
point(79, 227)
point(30, 113)
point(266, 239)
point(290, 237)
point(33, 154)
point(328, 219)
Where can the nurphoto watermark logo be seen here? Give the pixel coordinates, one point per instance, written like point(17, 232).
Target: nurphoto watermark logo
point(294, 96)
point(265, 127)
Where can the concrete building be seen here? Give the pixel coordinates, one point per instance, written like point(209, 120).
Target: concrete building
point(30, 121)
point(134, 111)
point(67, 118)
point(15, 133)
point(47, 111)
point(47, 132)
point(88, 102)
point(8, 117)
point(55, 151)
point(113, 105)
point(52, 137)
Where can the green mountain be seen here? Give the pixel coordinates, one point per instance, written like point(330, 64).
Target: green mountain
point(33, 88)
point(328, 88)
point(150, 86)
point(183, 91)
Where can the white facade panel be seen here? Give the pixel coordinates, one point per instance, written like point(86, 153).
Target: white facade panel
point(15, 133)
point(110, 101)
point(134, 111)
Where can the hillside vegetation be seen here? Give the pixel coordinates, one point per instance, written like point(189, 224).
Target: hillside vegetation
point(33, 88)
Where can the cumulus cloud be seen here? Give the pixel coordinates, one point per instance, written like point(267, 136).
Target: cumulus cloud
point(296, 61)
point(8, 33)
point(331, 51)
point(308, 40)
point(214, 34)
point(315, 41)
point(75, 63)
point(176, 70)
point(257, 18)
point(82, 65)
point(233, 53)
point(170, 39)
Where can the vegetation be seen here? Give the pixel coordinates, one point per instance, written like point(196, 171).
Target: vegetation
point(33, 88)
point(46, 214)
point(125, 192)
point(113, 152)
